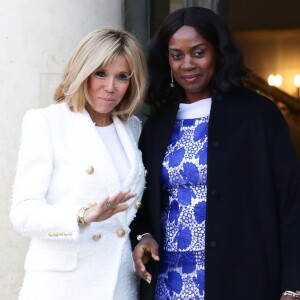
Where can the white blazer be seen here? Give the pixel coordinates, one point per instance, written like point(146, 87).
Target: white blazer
point(64, 165)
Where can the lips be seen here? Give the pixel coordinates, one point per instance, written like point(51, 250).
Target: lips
point(190, 78)
point(106, 99)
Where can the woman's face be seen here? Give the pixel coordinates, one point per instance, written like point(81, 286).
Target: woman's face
point(192, 60)
point(107, 87)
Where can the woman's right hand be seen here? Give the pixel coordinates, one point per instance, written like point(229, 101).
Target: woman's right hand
point(145, 250)
point(108, 207)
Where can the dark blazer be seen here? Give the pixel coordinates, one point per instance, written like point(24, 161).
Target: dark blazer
point(253, 198)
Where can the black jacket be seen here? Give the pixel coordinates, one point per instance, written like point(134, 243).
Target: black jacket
point(253, 201)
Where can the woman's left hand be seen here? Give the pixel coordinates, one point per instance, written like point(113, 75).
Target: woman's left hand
point(145, 250)
point(108, 207)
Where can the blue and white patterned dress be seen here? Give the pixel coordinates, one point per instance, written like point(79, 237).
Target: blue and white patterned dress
point(184, 175)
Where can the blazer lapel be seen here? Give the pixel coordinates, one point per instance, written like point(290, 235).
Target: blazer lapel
point(128, 142)
point(94, 151)
point(165, 121)
point(135, 177)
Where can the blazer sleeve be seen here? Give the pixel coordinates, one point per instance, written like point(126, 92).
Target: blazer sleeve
point(287, 176)
point(30, 214)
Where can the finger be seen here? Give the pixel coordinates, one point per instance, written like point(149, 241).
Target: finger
point(155, 257)
point(118, 197)
point(142, 271)
point(139, 266)
point(121, 197)
point(102, 203)
point(152, 247)
point(148, 277)
point(154, 253)
point(126, 195)
point(139, 257)
point(104, 206)
point(121, 207)
point(145, 275)
point(109, 203)
point(111, 211)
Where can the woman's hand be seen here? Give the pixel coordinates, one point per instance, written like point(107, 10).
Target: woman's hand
point(108, 207)
point(145, 250)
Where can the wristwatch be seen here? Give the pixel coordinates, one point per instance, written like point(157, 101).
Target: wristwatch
point(294, 294)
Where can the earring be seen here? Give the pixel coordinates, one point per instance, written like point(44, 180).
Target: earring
point(172, 80)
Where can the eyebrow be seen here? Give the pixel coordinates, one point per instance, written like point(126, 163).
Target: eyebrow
point(105, 70)
point(193, 47)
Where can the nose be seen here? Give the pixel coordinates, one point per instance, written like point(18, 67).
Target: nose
point(110, 84)
point(187, 63)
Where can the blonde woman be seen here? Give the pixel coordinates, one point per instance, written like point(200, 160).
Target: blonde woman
point(80, 176)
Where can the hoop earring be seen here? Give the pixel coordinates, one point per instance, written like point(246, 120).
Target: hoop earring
point(172, 80)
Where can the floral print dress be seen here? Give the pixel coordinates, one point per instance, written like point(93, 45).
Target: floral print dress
point(184, 181)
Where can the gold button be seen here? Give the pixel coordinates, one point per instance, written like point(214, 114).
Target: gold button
point(96, 237)
point(90, 170)
point(50, 234)
point(120, 232)
point(137, 204)
point(93, 203)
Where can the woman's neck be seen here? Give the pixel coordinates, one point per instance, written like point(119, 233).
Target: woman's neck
point(99, 119)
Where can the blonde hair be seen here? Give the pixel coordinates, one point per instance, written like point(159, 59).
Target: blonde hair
point(94, 51)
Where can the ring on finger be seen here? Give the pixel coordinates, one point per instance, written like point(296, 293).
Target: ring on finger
point(107, 203)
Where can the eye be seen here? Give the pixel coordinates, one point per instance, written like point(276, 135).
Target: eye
point(122, 77)
point(100, 74)
point(175, 56)
point(199, 53)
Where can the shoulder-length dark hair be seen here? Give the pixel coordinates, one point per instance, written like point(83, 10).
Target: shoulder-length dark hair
point(230, 69)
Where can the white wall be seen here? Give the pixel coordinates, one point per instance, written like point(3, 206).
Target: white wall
point(36, 38)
